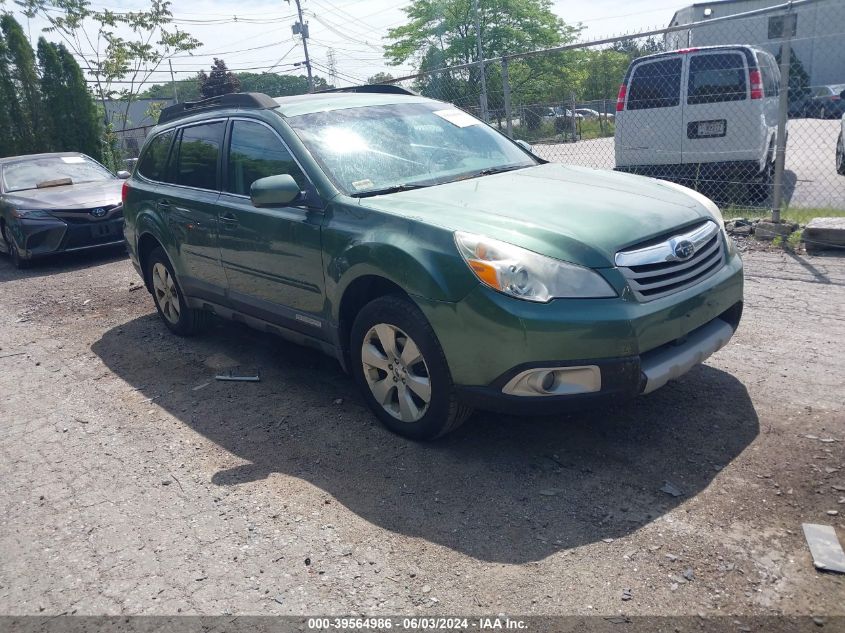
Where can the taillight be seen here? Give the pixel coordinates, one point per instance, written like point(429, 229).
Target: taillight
point(123, 191)
point(620, 98)
point(756, 82)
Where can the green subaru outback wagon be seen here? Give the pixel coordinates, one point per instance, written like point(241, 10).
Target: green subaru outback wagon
point(443, 264)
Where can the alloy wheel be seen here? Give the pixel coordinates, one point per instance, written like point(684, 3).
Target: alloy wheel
point(396, 372)
point(166, 295)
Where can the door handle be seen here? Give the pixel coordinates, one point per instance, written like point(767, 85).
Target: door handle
point(229, 220)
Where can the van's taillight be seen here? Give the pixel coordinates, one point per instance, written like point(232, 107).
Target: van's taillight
point(620, 98)
point(123, 191)
point(756, 82)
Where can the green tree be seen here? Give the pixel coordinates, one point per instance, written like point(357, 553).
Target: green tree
point(380, 78)
point(120, 50)
point(87, 129)
point(70, 116)
point(219, 81)
point(11, 116)
point(441, 33)
point(21, 62)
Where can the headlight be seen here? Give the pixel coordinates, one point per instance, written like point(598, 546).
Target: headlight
point(527, 275)
point(31, 214)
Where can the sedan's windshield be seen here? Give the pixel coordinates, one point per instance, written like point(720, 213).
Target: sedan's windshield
point(52, 171)
point(394, 147)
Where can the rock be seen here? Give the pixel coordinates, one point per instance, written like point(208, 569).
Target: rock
point(672, 558)
point(627, 594)
point(549, 492)
point(426, 588)
point(165, 482)
point(824, 233)
point(765, 230)
point(339, 401)
point(671, 489)
point(689, 574)
point(833, 513)
point(280, 599)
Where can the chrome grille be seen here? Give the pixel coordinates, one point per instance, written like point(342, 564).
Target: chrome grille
point(659, 269)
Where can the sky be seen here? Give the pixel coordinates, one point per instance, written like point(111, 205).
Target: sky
point(256, 35)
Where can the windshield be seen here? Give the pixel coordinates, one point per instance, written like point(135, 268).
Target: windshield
point(52, 171)
point(375, 148)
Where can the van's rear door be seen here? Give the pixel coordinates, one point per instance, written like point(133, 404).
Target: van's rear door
point(721, 122)
point(649, 129)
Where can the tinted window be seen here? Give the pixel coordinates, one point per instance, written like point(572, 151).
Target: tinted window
point(716, 77)
point(655, 85)
point(768, 70)
point(196, 165)
point(256, 152)
point(153, 163)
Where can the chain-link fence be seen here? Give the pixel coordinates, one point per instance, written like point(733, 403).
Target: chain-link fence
point(746, 108)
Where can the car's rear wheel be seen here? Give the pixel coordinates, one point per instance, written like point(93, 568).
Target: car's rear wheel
point(840, 155)
point(400, 368)
point(759, 191)
point(169, 300)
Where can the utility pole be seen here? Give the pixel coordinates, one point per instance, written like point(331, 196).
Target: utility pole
point(302, 29)
point(173, 82)
point(480, 60)
point(787, 24)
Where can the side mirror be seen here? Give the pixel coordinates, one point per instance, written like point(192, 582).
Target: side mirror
point(123, 174)
point(274, 191)
point(526, 146)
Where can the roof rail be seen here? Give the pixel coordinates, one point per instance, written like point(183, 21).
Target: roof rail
point(254, 100)
point(391, 89)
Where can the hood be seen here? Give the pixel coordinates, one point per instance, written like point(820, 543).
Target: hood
point(575, 214)
point(82, 196)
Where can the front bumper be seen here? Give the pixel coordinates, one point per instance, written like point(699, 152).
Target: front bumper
point(38, 238)
point(489, 338)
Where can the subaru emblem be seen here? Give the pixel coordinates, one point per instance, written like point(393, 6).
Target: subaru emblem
point(684, 249)
point(98, 212)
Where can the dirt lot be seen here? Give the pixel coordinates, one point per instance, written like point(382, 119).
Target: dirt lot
point(133, 483)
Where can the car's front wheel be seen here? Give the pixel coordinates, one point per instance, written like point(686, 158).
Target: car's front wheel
point(169, 300)
point(400, 368)
point(840, 155)
point(14, 252)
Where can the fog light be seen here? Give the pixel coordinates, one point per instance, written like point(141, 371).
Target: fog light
point(555, 381)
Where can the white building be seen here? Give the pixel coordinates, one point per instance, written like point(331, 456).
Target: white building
point(819, 41)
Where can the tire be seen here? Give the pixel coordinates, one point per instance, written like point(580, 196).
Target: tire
point(168, 297)
point(14, 252)
point(840, 155)
point(759, 191)
point(394, 324)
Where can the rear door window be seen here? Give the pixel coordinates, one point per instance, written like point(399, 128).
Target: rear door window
point(716, 77)
point(199, 155)
point(153, 164)
point(256, 152)
point(655, 84)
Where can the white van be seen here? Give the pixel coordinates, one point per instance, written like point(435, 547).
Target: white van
point(703, 117)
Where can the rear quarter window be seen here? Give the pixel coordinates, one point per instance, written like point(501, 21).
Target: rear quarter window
point(716, 77)
point(153, 164)
point(655, 84)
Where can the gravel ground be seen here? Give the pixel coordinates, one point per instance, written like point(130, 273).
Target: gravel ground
point(134, 483)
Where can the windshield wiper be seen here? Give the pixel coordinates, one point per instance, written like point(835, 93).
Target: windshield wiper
point(393, 189)
point(487, 171)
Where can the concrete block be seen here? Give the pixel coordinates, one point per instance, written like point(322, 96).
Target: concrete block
point(765, 230)
point(825, 234)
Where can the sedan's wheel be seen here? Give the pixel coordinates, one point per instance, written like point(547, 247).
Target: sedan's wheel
point(168, 297)
point(14, 253)
point(401, 370)
point(840, 155)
